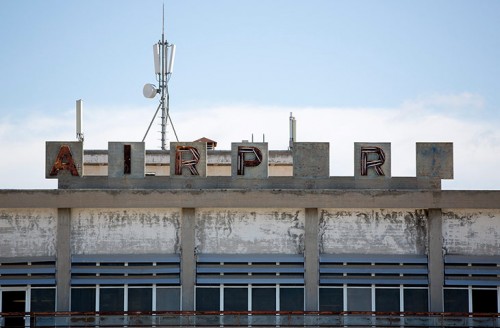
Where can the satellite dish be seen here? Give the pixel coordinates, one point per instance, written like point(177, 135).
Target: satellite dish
point(149, 90)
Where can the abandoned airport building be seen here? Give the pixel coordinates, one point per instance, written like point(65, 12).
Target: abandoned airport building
point(194, 229)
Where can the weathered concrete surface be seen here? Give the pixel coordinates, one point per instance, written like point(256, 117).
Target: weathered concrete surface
point(188, 260)
point(471, 232)
point(116, 159)
point(240, 231)
point(63, 263)
point(435, 160)
point(378, 231)
point(282, 182)
point(264, 198)
point(52, 150)
point(131, 231)
point(435, 260)
point(311, 260)
point(28, 232)
point(311, 159)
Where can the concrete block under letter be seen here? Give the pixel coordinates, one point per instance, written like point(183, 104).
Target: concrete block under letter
point(63, 158)
point(126, 159)
point(250, 160)
point(435, 160)
point(372, 160)
point(311, 159)
point(188, 159)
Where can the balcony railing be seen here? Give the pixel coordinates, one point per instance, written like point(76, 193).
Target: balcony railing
point(248, 319)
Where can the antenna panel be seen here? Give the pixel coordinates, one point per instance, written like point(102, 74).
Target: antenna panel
point(156, 55)
point(79, 112)
point(171, 59)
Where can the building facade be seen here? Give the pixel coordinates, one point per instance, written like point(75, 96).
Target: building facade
point(247, 230)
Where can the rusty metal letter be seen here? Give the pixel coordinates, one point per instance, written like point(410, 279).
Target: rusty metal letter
point(242, 163)
point(376, 164)
point(189, 163)
point(64, 161)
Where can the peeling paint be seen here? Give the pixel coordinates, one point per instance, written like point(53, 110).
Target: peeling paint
point(28, 232)
point(239, 231)
point(117, 231)
point(471, 232)
point(393, 231)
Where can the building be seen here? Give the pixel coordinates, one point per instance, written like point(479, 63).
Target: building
point(248, 229)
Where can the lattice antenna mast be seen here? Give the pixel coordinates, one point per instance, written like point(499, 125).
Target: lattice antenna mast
point(164, 56)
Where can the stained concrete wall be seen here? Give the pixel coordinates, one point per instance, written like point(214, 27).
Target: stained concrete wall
point(238, 231)
point(28, 232)
point(131, 231)
point(377, 231)
point(471, 232)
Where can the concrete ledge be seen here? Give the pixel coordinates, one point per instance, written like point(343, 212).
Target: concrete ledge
point(226, 182)
point(276, 198)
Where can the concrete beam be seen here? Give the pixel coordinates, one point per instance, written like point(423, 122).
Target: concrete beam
point(227, 182)
point(436, 261)
point(188, 260)
point(311, 260)
point(63, 259)
point(447, 199)
point(311, 159)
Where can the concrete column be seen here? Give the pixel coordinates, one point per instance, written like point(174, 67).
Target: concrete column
point(436, 261)
point(311, 260)
point(188, 260)
point(63, 259)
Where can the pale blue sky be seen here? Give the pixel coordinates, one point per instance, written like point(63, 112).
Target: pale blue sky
point(405, 60)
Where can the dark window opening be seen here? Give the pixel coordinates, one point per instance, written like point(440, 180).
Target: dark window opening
point(484, 301)
point(43, 300)
point(127, 159)
point(387, 300)
point(207, 299)
point(83, 299)
point(235, 299)
point(291, 299)
point(331, 299)
point(111, 299)
point(140, 299)
point(416, 300)
point(456, 300)
point(263, 299)
point(168, 299)
point(13, 301)
point(359, 299)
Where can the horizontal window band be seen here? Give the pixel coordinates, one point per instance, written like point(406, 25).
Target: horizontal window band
point(27, 269)
point(125, 269)
point(371, 280)
point(396, 269)
point(465, 259)
point(127, 258)
point(246, 258)
point(372, 258)
point(122, 280)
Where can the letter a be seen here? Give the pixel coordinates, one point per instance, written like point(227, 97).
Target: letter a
point(64, 162)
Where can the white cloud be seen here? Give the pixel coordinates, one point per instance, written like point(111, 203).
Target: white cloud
point(476, 144)
point(464, 101)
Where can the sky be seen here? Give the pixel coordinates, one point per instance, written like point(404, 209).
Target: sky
point(395, 71)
